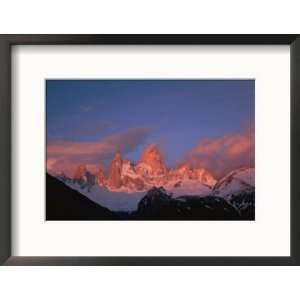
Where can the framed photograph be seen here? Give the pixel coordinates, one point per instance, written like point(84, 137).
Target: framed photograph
point(149, 149)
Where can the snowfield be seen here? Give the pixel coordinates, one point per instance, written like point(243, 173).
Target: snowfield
point(115, 201)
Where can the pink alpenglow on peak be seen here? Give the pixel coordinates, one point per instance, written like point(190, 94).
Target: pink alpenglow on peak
point(80, 173)
point(114, 180)
point(151, 162)
point(187, 172)
point(129, 177)
point(101, 180)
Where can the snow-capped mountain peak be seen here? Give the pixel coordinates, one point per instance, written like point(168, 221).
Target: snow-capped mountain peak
point(151, 162)
point(237, 181)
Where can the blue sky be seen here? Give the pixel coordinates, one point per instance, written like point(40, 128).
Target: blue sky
point(175, 114)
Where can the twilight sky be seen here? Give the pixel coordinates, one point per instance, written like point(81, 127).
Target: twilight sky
point(204, 122)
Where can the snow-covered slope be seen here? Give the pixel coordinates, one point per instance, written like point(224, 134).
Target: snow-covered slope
point(115, 201)
point(236, 182)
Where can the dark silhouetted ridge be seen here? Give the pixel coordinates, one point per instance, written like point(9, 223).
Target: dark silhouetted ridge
point(64, 203)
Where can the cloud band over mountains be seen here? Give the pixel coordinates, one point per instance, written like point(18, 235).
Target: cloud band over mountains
point(218, 155)
point(67, 155)
point(224, 154)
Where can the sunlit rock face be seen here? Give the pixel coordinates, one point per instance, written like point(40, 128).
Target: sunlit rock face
point(130, 179)
point(84, 178)
point(80, 173)
point(151, 162)
point(186, 172)
point(114, 180)
point(203, 176)
point(101, 180)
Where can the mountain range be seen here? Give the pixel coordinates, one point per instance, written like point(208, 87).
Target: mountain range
point(150, 171)
point(179, 193)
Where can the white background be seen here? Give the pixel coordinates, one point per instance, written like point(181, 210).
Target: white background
point(58, 16)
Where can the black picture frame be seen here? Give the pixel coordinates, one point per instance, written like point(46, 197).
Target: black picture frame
point(6, 184)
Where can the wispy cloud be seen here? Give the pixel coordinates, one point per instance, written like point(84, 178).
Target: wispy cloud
point(221, 155)
point(66, 155)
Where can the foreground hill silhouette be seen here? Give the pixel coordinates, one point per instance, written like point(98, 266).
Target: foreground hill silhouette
point(64, 203)
point(159, 205)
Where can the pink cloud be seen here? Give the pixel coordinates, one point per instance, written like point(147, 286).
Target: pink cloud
point(67, 155)
point(221, 155)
